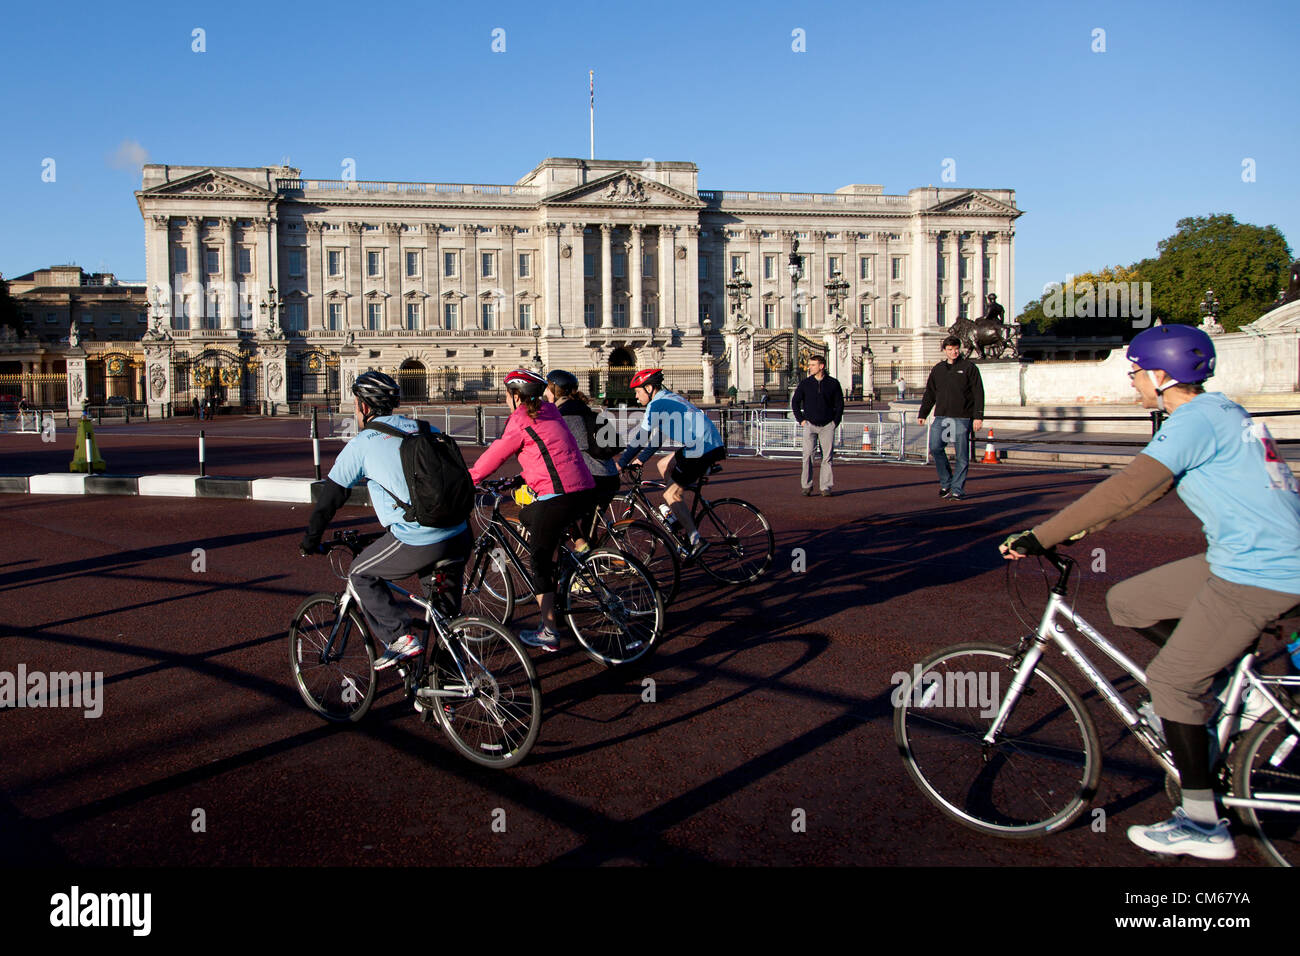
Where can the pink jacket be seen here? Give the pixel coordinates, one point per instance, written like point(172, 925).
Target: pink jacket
point(563, 451)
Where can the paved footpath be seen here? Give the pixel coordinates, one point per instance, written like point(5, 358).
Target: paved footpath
point(769, 700)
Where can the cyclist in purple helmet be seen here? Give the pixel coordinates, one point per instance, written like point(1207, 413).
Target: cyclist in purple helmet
point(1203, 611)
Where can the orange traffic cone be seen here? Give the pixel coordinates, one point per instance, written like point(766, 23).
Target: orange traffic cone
point(866, 438)
point(990, 456)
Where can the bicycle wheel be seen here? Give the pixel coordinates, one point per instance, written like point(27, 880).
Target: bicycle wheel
point(1039, 774)
point(1267, 763)
point(741, 544)
point(489, 587)
point(343, 687)
point(652, 548)
point(498, 722)
point(613, 607)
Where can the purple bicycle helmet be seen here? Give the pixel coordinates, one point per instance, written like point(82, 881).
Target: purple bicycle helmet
point(1183, 352)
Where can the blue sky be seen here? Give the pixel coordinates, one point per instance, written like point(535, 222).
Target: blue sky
point(1106, 150)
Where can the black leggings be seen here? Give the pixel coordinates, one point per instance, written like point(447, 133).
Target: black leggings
point(546, 521)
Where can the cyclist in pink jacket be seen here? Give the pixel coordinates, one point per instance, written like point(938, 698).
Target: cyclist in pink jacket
point(560, 481)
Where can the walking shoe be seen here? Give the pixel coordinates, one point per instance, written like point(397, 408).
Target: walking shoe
point(1181, 834)
point(698, 548)
point(826, 492)
point(943, 492)
point(406, 646)
point(956, 496)
point(807, 492)
point(543, 637)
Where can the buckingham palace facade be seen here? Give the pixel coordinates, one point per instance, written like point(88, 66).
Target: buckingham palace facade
point(280, 289)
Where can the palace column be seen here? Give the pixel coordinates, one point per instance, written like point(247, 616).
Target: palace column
point(606, 278)
point(692, 276)
point(197, 264)
point(977, 271)
point(229, 288)
point(634, 276)
point(551, 275)
point(667, 277)
point(315, 276)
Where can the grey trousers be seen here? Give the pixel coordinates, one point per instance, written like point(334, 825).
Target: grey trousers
point(825, 436)
point(1218, 620)
point(390, 560)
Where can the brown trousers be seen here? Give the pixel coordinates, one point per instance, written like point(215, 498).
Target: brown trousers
point(1218, 620)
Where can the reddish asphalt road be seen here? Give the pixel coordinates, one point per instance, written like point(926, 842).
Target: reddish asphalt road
point(770, 700)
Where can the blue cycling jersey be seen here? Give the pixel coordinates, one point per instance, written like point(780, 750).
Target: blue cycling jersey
point(671, 418)
point(375, 455)
point(1231, 476)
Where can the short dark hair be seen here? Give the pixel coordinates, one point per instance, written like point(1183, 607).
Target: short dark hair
point(952, 340)
point(817, 358)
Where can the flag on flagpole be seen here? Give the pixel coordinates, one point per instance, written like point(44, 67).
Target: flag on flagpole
point(592, 75)
point(591, 114)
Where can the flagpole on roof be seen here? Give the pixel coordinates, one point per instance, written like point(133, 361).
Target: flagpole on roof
point(591, 74)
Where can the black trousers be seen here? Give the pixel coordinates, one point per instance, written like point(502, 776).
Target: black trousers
point(391, 560)
point(546, 522)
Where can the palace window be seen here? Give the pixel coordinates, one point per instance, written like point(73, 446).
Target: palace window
point(620, 265)
point(412, 315)
point(374, 262)
point(620, 315)
point(769, 267)
point(181, 256)
point(374, 316)
point(335, 316)
point(245, 260)
point(451, 264)
point(449, 317)
point(769, 315)
point(214, 261)
point(412, 264)
point(525, 315)
point(864, 314)
point(737, 264)
point(896, 316)
point(589, 264)
point(334, 261)
point(489, 315)
point(832, 265)
point(964, 267)
point(704, 269)
point(297, 317)
point(896, 268)
point(525, 265)
point(295, 263)
point(648, 315)
point(864, 268)
point(489, 265)
point(648, 265)
point(589, 315)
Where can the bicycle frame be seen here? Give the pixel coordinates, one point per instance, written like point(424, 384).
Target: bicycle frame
point(498, 528)
point(1227, 722)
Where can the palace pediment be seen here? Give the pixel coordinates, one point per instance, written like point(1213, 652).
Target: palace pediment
point(624, 189)
point(974, 203)
point(209, 184)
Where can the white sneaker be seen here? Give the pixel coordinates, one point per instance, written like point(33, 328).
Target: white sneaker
point(405, 646)
point(1181, 834)
point(543, 637)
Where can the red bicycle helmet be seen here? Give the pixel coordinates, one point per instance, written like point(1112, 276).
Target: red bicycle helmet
point(648, 376)
point(526, 383)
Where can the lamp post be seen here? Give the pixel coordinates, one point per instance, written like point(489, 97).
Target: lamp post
point(270, 307)
point(1209, 313)
point(738, 290)
point(796, 273)
point(537, 345)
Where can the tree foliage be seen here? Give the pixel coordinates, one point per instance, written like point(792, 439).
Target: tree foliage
point(1246, 266)
point(10, 314)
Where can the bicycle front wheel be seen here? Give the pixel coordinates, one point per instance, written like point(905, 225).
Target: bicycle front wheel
point(340, 686)
point(613, 607)
point(489, 587)
point(1266, 765)
point(1038, 775)
point(652, 548)
point(741, 544)
point(484, 692)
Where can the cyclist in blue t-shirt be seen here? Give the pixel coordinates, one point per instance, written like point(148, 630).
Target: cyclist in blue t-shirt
point(1207, 609)
point(669, 417)
point(408, 547)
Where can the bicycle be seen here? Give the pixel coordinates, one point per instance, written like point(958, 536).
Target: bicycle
point(608, 599)
point(1028, 764)
point(741, 544)
point(474, 678)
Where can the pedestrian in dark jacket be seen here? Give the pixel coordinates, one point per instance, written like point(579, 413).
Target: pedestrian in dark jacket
point(818, 406)
point(956, 393)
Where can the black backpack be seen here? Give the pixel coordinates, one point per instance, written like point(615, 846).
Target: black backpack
point(596, 425)
point(442, 492)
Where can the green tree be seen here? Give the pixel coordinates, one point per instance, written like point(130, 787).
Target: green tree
point(1245, 265)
